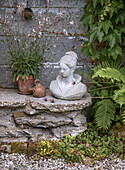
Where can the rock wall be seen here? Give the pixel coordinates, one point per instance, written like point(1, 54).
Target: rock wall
point(25, 118)
point(71, 11)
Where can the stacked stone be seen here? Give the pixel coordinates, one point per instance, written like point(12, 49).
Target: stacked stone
point(25, 118)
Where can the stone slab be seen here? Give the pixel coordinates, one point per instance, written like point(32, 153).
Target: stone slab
point(58, 105)
point(10, 98)
point(24, 118)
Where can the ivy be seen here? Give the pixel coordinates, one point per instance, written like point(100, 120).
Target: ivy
point(105, 20)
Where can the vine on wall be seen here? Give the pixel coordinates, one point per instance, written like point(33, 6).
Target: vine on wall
point(105, 20)
point(106, 29)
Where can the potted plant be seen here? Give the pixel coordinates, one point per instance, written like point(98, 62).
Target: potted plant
point(26, 56)
point(26, 51)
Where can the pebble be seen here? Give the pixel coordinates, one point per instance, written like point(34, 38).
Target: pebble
point(17, 161)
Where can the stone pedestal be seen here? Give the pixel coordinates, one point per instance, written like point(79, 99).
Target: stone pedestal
point(24, 118)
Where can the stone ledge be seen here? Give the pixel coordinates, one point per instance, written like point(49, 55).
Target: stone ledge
point(24, 117)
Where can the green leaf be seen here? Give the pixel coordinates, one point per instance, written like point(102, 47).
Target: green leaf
point(119, 96)
point(92, 33)
point(105, 110)
point(112, 74)
point(104, 51)
point(95, 2)
point(105, 25)
point(112, 40)
point(115, 51)
point(100, 36)
point(101, 2)
point(121, 28)
point(95, 53)
point(87, 18)
point(117, 35)
point(123, 117)
point(2, 41)
point(112, 10)
point(93, 36)
point(87, 49)
point(120, 17)
point(104, 93)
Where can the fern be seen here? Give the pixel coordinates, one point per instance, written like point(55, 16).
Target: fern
point(104, 115)
point(118, 66)
point(110, 73)
point(119, 95)
point(123, 117)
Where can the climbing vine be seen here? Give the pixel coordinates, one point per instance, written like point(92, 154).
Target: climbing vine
point(105, 20)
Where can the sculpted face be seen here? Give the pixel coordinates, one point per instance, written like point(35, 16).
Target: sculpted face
point(65, 71)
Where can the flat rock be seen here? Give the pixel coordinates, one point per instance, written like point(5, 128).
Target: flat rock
point(24, 117)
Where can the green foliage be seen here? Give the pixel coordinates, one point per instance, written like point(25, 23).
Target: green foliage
point(105, 110)
point(106, 29)
point(109, 73)
point(25, 53)
point(26, 49)
point(124, 117)
point(88, 144)
point(112, 80)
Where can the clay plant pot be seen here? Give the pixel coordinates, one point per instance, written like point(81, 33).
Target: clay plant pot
point(24, 86)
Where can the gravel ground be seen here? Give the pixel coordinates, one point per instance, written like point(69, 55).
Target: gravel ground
point(17, 161)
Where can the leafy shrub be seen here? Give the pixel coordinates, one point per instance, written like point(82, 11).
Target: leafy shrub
point(111, 78)
point(105, 20)
point(88, 144)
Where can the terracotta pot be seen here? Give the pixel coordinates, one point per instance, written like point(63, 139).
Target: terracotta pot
point(24, 86)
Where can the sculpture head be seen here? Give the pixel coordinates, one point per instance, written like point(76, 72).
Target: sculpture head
point(68, 63)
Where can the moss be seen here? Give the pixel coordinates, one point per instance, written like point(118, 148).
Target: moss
point(33, 147)
point(18, 147)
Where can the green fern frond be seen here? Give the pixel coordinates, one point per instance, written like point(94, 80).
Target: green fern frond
point(105, 110)
point(89, 76)
point(118, 66)
point(123, 117)
point(110, 73)
point(119, 95)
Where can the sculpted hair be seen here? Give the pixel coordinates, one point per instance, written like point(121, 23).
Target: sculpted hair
point(70, 59)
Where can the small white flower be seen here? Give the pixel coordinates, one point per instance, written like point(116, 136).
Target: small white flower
point(65, 32)
point(40, 33)
point(39, 12)
point(54, 46)
point(71, 22)
point(33, 30)
point(59, 14)
point(24, 4)
point(45, 19)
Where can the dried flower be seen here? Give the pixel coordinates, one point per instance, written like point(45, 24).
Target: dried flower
point(52, 101)
point(45, 99)
point(74, 83)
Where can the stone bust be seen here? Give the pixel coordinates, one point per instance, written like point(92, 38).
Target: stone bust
point(67, 84)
